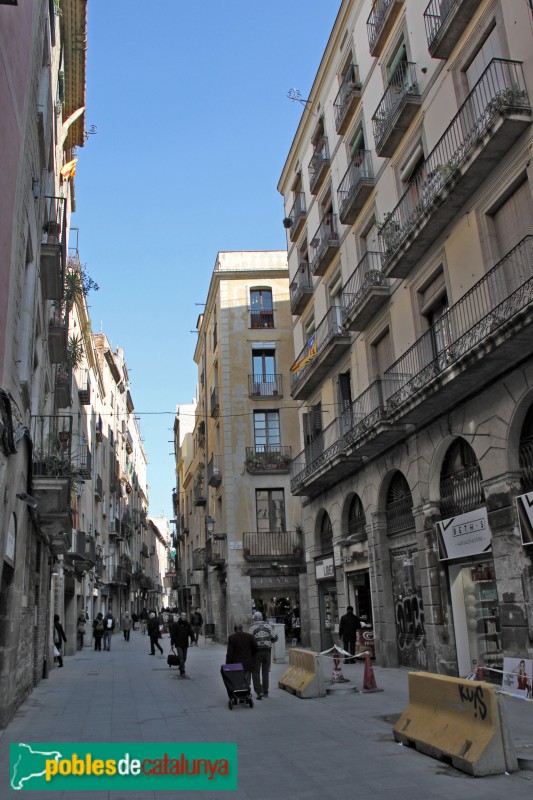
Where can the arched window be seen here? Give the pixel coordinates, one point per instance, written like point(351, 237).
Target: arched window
point(356, 520)
point(526, 452)
point(326, 535)
point(399, 505)
point(460, 480)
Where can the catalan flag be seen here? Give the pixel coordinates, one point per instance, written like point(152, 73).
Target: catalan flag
point(311, 353)
point(68, 170)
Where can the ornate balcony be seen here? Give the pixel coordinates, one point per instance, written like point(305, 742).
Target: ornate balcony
point(297, 216)
point(324, 245)
point(214, 471)
point(397, 109)
point(494, 115)
point(116, 575)
point(82, 461)
point(319, 165)
point(270, 386)
point(53, 250)
point(268, 459)
point(364, 293)
point(115, 529)
point(486, 332)
point(356, 186)
point(347, 100)
point(84, 387)
point(366, 427)
point(57, 338)
point(216, 550)
point(445, 22)
point(52, 471)
point(379, 24)
point(323, 463)
point(82, 554)
point(285, 546)
point(320, 354)
point(301, 289)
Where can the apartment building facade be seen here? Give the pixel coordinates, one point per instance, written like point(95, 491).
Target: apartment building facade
point(239, 544)
point(409, 213)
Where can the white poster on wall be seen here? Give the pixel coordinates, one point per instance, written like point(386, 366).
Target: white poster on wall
point(465, 535)
point(517, 676)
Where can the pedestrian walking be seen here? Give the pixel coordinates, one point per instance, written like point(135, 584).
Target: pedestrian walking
point(109, 627)
point(98, 631)
point(196, 624)
point(135, 620)
point(59, 638)
point(127, 624)
point(143, 617)
point(180, 634)
point(153, 632)
point(242, 648)
point(264, 637)
point(349, 624)
point(80, 630)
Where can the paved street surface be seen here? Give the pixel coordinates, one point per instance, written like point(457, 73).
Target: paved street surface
point(339, 746)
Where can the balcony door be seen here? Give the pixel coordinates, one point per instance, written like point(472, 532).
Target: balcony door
point(262, 309)
point(264, 371)
point(270, 509)
point(267, 436)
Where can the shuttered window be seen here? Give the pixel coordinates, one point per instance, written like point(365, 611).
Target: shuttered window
point(514, 219)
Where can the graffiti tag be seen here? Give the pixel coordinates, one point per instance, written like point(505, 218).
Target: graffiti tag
point(410, 631)
point(475, 697)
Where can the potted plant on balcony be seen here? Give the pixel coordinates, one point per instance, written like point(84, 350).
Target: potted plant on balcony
point(287, 222)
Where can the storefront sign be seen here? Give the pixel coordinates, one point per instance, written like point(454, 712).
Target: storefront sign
point(524, 504)
point(290, 581)
point(465, 535)
point(324, 569)
point(235, 545)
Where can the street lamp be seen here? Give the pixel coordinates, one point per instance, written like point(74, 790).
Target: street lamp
point(209, 525)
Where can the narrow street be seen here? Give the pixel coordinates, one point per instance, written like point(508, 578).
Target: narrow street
point(334, 747)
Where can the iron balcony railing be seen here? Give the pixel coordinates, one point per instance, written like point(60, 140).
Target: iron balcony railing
point(360, 168)
point(268, 458)
point(55, 223)
point(82, 461)
point(399, 515)
point(376, 19)
point(51, 437)
point(401, 85)
point(500, 89)
point(298, 211)
point(504, 291)
point(198, 558)
point(322, 449)
point(98, 488)
point(114, 526)
point(326, 233)
point(366, 411)
point(272, 545)
point(461, 492)
point(328, 327)
point(302, 284)
point(84, 387)
point(214, 471)
point(368, 273)
point(262, 319)
point(117, 575)
point(216, 549)
point(351, 82)
point(436, 15)
point(265, 385)
point(319, 160)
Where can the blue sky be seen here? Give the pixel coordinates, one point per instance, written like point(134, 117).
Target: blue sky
point(193, 129)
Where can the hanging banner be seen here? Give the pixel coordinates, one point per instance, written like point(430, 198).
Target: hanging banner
point(465, 535)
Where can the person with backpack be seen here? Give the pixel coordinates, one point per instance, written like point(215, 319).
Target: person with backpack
point(264, 636)
point(109, 627)
point(98, 631)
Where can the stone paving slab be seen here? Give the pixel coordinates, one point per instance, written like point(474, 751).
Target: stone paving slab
point(339, 745)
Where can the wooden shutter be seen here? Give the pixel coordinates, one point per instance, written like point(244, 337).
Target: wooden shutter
point(514, 219)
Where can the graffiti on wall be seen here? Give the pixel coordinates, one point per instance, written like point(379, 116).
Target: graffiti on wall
point(408, 610)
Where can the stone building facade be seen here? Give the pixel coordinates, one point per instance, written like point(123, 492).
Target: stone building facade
point(409, 215)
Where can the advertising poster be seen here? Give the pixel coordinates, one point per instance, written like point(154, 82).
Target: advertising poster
point(517, 676)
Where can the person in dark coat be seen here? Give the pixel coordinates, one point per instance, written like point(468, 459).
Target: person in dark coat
point(348, 626)
point(98, 631)
point(59, 638)
point(265, 637)
point(153, 633)
point(180, 633)
point(241, 650)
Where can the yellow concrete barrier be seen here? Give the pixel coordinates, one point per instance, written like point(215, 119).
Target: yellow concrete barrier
point(304, 676)
point(459, 721)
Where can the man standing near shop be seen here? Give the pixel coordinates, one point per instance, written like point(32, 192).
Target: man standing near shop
point(348, 626)
point(264, 637)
